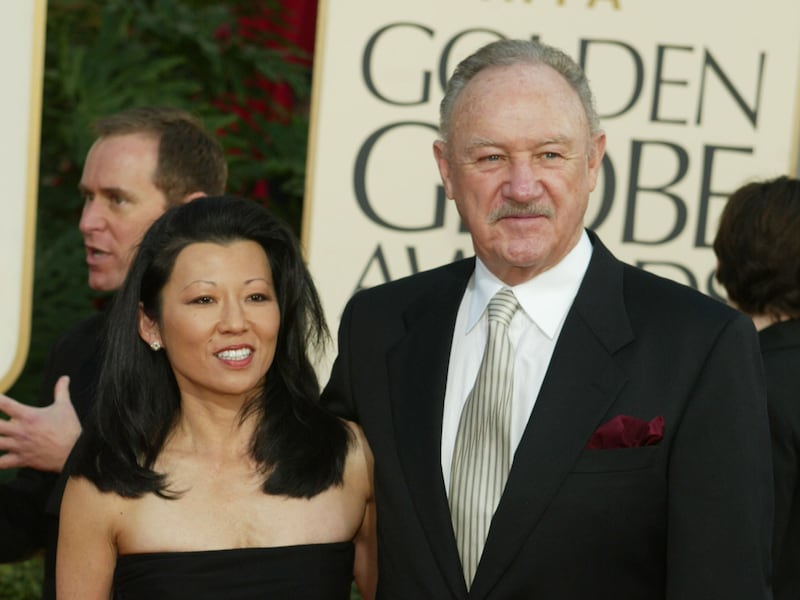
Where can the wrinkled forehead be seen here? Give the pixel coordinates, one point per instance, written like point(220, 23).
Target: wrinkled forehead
point(535, 93)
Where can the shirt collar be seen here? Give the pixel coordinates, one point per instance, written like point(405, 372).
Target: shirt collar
point(545, 299)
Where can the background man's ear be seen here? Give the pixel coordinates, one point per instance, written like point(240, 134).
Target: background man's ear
point(192, 196)
point(443, 163)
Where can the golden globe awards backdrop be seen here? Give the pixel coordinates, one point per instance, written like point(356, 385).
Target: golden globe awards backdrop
point(22, 31)
point(696, 99)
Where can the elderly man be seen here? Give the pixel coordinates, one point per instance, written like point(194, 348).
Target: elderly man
point(143, 161)
point(548, 422)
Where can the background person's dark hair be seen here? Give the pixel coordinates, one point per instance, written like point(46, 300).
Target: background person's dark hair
point(300, 447)
point(190, 159)
point(758, 248)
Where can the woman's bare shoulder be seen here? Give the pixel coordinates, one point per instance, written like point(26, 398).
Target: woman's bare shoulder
point(360, 457)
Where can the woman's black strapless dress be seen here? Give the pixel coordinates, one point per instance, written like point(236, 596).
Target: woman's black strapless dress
point(309, 572)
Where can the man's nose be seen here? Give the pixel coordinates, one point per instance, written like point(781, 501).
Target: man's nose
point(524, 182)
point(93, 216)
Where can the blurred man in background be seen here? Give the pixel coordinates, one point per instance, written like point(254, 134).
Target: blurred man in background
point(143, 161)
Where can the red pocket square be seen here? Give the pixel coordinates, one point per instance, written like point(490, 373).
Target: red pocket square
point(624, 431)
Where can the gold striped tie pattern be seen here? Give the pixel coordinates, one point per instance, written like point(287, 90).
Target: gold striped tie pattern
point(482, 454)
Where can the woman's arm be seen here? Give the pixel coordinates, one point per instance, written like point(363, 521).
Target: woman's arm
point(87, 551)
point(365, 569)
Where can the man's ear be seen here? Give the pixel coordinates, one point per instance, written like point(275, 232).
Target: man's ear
point(193, 196)
point(596, 153)
point(442, 161)
point(148, 328)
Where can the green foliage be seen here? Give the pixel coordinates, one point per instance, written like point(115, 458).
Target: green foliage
point(21, 581)
point(104, 57)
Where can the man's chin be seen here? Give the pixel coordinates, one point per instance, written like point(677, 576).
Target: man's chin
point(102, 284)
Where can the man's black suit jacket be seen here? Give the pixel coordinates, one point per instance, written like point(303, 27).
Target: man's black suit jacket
point(780, 347)
point(29, 504)
point(688, 518)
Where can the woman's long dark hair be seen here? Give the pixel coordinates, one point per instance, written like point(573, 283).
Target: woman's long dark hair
point(298, 445)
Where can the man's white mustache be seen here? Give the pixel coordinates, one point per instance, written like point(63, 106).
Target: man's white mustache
point(514, 209)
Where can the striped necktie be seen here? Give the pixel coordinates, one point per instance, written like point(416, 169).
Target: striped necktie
point(482, 454)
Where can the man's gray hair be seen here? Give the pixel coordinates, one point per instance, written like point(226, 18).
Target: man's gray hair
point(512, 52)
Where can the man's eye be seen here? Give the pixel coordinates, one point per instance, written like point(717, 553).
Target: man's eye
point(492, 158)
point(551, 155)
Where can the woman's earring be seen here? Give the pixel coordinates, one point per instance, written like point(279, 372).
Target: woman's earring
point(155, 346)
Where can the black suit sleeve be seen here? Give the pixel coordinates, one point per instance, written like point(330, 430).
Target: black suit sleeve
point(781, 350)
point(336, 396)
point(720, 479)
point(785, 425)
point(22, 506)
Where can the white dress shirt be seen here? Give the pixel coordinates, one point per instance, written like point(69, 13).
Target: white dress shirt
point(544, 302)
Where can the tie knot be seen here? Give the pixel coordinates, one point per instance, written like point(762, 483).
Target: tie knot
point(503, 306)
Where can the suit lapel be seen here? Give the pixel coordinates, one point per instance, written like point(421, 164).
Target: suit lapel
point(417, 369)
point(580, 385)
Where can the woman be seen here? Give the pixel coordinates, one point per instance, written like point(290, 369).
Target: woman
point(758, 253)
point(209, 470)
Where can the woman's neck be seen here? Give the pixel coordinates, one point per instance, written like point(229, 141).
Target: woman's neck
point(214, 429)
